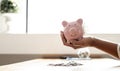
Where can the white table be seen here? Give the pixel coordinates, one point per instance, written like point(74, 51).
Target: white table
point(100, 64)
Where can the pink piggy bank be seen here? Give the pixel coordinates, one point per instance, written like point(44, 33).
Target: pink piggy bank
point(73, 30)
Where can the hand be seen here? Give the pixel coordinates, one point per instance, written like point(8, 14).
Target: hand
point(84, 42)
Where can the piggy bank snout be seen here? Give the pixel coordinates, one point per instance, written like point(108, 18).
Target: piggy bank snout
point(73, 31)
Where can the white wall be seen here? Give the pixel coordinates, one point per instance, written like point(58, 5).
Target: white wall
point(96, 14)
point(43, 43)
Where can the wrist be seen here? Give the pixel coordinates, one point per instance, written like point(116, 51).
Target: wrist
point(92, 44)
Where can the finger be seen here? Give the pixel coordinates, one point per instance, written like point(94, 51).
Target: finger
point(64, 40)
point(74, 46)
point(63, 37)
point(77, 46)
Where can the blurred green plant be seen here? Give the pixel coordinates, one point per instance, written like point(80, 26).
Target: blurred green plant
point(7, 6)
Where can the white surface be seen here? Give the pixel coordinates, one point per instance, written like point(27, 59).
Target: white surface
point(43, 65)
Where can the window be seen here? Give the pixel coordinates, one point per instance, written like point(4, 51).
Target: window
point(17, 23)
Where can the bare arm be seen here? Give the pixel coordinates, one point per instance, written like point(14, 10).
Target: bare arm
point(108, 47)
point(105, 46)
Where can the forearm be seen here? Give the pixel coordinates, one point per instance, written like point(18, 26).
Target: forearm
point(108, 47)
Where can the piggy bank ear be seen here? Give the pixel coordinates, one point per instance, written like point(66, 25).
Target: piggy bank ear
point(80, 21)
point(64, 23)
